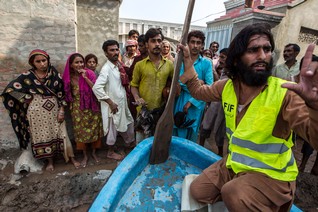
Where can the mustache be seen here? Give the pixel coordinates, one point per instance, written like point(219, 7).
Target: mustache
point(157, 48)
point(260, 62)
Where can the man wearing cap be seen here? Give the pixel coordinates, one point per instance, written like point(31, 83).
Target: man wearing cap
point(131, 52)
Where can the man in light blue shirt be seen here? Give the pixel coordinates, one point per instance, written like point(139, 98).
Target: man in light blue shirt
point(185, 103)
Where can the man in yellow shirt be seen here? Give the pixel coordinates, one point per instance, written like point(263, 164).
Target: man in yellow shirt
point(150, 75)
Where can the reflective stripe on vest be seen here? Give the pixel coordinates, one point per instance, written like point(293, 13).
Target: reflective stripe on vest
point(251, 144)
point(256, 163)
point(277, 148)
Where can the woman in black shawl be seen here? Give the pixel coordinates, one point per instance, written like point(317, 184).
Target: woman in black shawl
point(35, 102)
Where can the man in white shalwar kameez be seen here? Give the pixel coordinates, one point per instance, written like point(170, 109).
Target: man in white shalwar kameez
point(109, 90)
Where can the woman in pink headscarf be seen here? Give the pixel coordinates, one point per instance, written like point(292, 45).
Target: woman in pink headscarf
point(84, 107)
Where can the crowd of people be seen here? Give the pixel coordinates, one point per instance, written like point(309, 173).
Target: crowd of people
point(234, 94)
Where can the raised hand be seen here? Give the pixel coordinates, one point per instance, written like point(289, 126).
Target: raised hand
point(307, 88)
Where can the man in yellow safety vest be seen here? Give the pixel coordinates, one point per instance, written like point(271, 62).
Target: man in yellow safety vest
point(260, 171)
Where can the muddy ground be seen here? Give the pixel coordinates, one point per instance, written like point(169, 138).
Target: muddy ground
point(70, 189)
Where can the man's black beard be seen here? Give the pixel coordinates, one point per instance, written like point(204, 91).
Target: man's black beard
point(113, 59)
point(254, 78)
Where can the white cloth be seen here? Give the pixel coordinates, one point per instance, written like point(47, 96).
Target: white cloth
point(27, 163)
point(108, 86)
point(128, 136)
point(189, 204)
point(128, 61)
point(282, 71)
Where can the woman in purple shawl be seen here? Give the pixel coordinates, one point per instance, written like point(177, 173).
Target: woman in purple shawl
point(84, 107)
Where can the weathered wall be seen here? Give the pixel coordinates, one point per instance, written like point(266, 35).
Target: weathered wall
point(303, 15)
point(26, 25)
point(97, 22)
point(50, 25)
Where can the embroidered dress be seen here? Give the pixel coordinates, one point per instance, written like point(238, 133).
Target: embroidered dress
point(33, 109)
point(46, 138)
point(87, 125)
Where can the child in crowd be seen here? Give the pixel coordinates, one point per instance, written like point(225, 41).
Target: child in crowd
point(91, 62)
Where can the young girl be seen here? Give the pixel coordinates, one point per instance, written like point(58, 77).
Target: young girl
point(91, 62)
point(85, 111)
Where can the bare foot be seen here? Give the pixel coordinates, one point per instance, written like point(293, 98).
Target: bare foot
point(49, 167)
point(97, 160)
point(114, 155)
point(84, 162)
point(75, 163)
point(122, 153)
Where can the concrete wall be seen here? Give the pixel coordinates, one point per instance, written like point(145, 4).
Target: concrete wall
point(303, 15)
point(26, 25)
point(50, 25)
point(97, 22)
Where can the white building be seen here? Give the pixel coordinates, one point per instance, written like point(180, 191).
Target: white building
point(171, 31)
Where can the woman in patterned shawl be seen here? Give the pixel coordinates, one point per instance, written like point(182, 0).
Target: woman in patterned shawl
point(35, 101)
point(85, 111)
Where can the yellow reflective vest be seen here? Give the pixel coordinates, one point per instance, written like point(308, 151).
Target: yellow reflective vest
point(252, 147)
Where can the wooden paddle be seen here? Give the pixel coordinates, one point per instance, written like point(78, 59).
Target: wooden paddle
point(163, 132)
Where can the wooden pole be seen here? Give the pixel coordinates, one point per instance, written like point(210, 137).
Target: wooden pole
point(164, 128)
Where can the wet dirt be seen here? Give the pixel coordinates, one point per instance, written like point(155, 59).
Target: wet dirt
point(71, 189)
point(64, 189)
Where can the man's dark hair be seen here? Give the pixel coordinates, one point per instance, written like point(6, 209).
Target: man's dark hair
point(224, 51)
point(133, 31)
point(239, 45)
point(296, 48)
point(214, 42)
point(141, 38)
point(109, 43)
point(198, 34)
point(152, 32)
